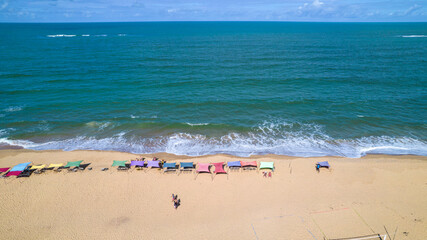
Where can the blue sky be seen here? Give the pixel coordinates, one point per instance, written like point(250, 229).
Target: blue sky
point(212, 10)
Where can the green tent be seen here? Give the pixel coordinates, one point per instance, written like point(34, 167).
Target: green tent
point(119, 163)
point(266, 165)
point(73, 164)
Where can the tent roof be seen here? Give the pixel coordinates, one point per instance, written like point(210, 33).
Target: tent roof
point(4, 169)
point(20, 167)
point(266, 165)
point(169, 165)
point(74, 164)
point(153, 164)
point(38, 167)
point(54, 165)
point(324, 164)
point(234, 164)
point(249, 164)
point(186, 164)
point(219, 167)
point(119, 163)
point(137, 163)
point(203, 167)
point(14, 173)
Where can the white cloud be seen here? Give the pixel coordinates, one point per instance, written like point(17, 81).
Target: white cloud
point(317, 3)
point(172, 10)
point(4, 5)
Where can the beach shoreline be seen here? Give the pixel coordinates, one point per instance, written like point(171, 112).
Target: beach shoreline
point(357, 196)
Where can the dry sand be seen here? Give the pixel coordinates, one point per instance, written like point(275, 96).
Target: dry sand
point(356, 197)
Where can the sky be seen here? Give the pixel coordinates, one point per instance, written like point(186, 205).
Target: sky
point(213, 10)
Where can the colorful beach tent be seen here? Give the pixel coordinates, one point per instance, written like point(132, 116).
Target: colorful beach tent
point(219, 167)
point(186, 164)
point(249, 164)
point(20, 167)
point(38, 167)
point(153, 164)
point(13, 173)
point(73, 164)
point(137, 163)
point(54, 165)
point(266, 165)
point(119, 163)
point(234, 164)
point(203, 167)
point(324, 164)
point(2, 170)
point(169, 165)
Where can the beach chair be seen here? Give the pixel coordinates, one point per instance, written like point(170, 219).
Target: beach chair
point(26, 173)
point(234, 166)
point(249, 165)
point(139, 164)
point(121, 165)
point(267, 166)
point(82, 167)
point(38, 168)
point(202, 168)
point(324, 164)
point(169, 167)
point(219, 168)
point(186, 167)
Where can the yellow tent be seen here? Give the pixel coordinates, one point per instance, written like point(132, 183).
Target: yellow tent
point(38, 167)
point(54, 165)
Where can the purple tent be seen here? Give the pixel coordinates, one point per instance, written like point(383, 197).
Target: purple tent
point(324, 164)
point(153, 164)
point(137, 163)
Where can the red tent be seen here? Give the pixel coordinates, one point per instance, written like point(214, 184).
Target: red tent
point(14, 173)
point(249, 164)
point(219, 167)
point(4, 169)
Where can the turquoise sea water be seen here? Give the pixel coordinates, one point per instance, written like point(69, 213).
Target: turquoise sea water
point(196, 88)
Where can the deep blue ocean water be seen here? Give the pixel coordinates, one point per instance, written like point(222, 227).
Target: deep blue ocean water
point(196, 88)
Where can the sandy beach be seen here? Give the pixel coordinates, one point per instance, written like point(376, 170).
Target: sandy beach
point(376, 194)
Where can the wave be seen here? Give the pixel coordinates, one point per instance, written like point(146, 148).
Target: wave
point(13, 109)
point(197, 124)
point(414, 36)
point(291, 139)
point(60, 35)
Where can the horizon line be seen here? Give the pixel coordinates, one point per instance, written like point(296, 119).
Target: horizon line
point(172, 21)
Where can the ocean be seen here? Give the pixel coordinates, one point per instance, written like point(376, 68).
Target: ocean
point(198, 88)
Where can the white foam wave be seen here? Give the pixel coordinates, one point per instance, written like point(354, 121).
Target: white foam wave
point(60, 35)
point(101, 35)
point(121, 35)
point(100, 125)
point(197, 124)
point(133, 116)
point(291, 139)
point(414, 36)
point(85, 35)
point(13, 109)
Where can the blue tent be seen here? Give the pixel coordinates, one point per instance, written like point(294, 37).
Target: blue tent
point(20, 167)
point(234, 164)
point(186, 164)
point(169, 165)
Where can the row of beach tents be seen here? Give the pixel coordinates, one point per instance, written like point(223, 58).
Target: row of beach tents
point(25, 169)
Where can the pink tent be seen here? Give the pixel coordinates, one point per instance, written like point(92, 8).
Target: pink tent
point(219, 167)
point(4, 169)
point(14, 173)
point(248, 164)
point(203, 167)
